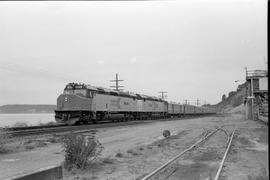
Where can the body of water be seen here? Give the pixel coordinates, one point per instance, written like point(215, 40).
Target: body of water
point(30, 119)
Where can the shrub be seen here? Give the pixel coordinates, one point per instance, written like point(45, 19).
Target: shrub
point(119, 154)
point(47, 124)
point(129, 151)
point(134, 153)
point(29, 141)
point(80, 150)
point(107, 161)
point(20, 124)
point(166, 133)
point(4, 136)
point(53, 140)
point(41, 144)
point(29, 147)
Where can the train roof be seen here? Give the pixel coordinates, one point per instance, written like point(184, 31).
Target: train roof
point(103, 90)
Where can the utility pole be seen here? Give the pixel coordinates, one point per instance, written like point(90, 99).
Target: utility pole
point(198, 101)
point(163, 96)
point(116, 83)
point(185, 101)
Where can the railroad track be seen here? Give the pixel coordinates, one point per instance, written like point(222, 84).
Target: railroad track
point(156, 173)
point(38, 130)
point(47, 129)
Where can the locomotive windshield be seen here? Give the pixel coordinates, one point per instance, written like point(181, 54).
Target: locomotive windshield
point(78, 89)
point(80, 92)
point(68, 90)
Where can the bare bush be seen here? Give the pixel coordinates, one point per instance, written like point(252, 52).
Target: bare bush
point(80, 151)
point(4, 137)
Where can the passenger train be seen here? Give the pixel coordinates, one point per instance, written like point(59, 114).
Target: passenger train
point(82, 104)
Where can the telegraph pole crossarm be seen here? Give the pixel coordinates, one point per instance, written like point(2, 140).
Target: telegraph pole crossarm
point(163, 96)
point(116, 83)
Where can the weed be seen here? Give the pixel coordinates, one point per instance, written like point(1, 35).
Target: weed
point(41, 144)
point(4, 137)
point(52, 140)
point(134, 153)
point(107, 161)
point(86, 178)
point(129, 151)
point(20, 124)
point(29, 141)
point(47, 124)
point(80, 150)
point(119, 154)
point(29, 147)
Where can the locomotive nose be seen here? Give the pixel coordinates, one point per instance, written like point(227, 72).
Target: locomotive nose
point(71, 102)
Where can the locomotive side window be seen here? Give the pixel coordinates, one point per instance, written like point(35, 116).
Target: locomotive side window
point(88, 93)
point(91, 93)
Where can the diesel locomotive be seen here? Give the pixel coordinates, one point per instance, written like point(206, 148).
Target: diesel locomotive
point(82, 104)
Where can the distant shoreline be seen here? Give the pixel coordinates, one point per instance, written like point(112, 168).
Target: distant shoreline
point(27, 109)
point(27, 113)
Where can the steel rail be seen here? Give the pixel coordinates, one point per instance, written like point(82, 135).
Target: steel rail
point(33, 127)
point(225, 155)
point(154, 172)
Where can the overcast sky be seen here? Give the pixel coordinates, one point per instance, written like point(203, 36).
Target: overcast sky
point(191, 49)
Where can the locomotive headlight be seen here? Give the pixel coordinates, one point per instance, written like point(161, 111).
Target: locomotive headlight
point(66, 99)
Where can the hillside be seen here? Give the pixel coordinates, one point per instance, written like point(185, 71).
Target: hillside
point(234, 99)
point(27, 108)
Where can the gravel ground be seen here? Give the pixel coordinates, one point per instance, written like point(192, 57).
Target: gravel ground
point(130, 152)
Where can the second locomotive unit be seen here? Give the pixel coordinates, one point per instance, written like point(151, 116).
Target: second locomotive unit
point(82, 104)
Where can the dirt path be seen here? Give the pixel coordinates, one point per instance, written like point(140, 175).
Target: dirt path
point(130, 152)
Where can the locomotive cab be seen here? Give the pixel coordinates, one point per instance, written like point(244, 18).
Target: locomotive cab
point(75, 104)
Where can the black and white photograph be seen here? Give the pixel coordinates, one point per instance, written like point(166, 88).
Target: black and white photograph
point(134, 90)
